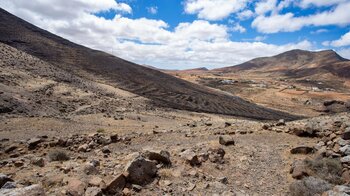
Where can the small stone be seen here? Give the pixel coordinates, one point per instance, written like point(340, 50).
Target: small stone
point(83, 148)
point(136, 188)
point(114, 138)
point(9, 185)
point(33, 143)
point(116, 185)
point(106, 150)
point(126, 192)
point(95, 181)
point(160, 157)
point(38, 161)
point(216, 155)
point(281, 122)
point(76, 187)
point(332, 136)
point(346, 135)
point(90, 169)
point(165, 183)
point(191, 186)
point(226, 140)
point(299, 170)
point(346, 177)
point(345, 159)
point(18, 163)
point(345, 150)
point(11, 148)
point(223, 180)
point(190, 157)
point(93, 191)
point(319, 145)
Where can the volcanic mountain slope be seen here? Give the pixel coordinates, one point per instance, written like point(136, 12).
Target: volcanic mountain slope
point(162, 89)
point(297, 64)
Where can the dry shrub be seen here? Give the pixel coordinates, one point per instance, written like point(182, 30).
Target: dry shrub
point(165, 173)
point(327, 169)
point(58, 155)
point(309, 186)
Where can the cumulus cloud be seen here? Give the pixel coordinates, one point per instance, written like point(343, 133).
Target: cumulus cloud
point(288, 22)
point(265, 6)
point(214, 9)
point(344, 40)
point(238, 28)
point(144, 41)
point(245, 14)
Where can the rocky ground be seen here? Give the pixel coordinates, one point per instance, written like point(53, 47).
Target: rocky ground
point(214, 155)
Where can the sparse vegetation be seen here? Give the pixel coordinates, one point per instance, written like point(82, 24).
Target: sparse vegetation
point(58, 155)
point(309, 186)
point(101, 130)
point(165, 173)
point(327, 169)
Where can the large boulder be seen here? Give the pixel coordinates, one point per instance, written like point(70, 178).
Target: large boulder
point(141, 171)
point(302, 150)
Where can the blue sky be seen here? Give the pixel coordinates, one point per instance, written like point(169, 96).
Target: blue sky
point(184, 34)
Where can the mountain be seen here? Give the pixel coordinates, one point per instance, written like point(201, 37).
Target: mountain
point(162, 89)
point(297, 64)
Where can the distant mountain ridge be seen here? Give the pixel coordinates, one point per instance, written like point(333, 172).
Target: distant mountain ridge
point(297, 63)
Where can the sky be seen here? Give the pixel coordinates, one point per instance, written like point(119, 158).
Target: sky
point(185, 34)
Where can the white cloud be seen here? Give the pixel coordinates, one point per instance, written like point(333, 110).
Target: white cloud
point(152, 10)
point(345, 52)
point(319, 31)
point(244, 15)
point(260, 38)
point(288, 22)
point(265, 6)
point(344, 40)
point(214, 9)
point(145, 41)
point(237, 27)
point(319, 3)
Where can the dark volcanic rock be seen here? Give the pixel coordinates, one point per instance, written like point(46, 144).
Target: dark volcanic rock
point(4, 179)
point(32, 143)
point(141, 171)
point(302, 150)
point(226, 140)
point(161, 157)
point(116, 185)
